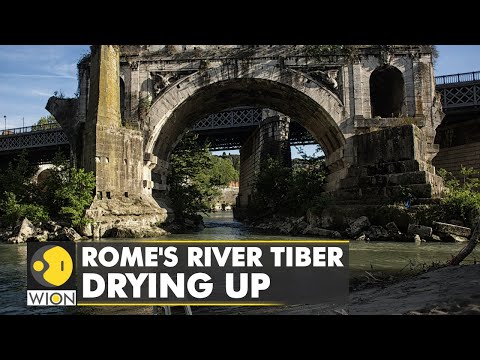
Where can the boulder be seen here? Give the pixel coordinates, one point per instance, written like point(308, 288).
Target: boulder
point(392, 227)
point(377, 233)
point(313, 230)
point(417, 239)
point(135, 232)
point(39, 237)
point(64, 234)
point(423, 231)
point(357, 226)
point(312, 218)
point(5, 235)
point(362, 237)
point(71, 234)
point(285, 228)
point(52, 226)
point(455, 238)
point(86, 230)
point(451, 229)
point(435, 238)
point(24, 230)
point(301, 226)
point(15, 240)
point(456, 222)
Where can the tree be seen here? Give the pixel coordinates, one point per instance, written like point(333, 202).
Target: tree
point(17, 178)
point(49, 119)
point(46, 122)
point(281, 189)
point(191, 190)
point(68, 192)
point(469, 247)
point(222, 172)
point(19, 193)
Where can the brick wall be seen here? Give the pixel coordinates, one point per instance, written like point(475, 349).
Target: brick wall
point(451, 159)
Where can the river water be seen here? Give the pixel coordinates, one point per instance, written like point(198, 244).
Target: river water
point(364, 256)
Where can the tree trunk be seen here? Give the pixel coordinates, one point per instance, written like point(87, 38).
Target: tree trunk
point(469, 247)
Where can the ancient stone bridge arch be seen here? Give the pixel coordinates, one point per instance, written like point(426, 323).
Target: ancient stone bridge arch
point(371, 158)
point(290, 92)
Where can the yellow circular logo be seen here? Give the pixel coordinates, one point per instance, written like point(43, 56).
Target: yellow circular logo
point(51, 266)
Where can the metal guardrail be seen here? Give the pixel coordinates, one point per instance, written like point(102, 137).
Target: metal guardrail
point(457, 78)
point(230, 119)
point(34, 139)
point(30, 129)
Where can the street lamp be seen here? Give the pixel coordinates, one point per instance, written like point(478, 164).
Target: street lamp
point(5, 117)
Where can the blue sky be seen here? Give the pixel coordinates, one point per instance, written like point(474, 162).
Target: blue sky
point(30, 74)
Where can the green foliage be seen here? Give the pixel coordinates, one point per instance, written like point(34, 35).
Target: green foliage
point(222, 172)
point(462, 199)
point(64, 195)
point(13, 211)
point(196, 175)
point(289, 191)
point(17, 178)
point(68, 192)
point(190, 188)
point(234, 159)
point(46, 122)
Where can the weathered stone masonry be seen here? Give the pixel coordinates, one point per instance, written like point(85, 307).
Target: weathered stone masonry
point(166, 89)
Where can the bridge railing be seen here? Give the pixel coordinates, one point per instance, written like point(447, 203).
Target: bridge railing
point(457, 78)
point(29, 129)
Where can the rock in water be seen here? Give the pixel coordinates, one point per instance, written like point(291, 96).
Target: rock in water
point(65, 234)
point(52, 226)
point(357, 226)
point(362, 237)
point(376, 232)
point(451, 229)
point(435, 238)
point(71, 234)
point(392, 227)
point(86, 230)
point(417, 239)
point(455, 238)
point(423, 231)
point(22, 232)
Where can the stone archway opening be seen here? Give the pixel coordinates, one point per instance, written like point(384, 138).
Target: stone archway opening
point(238, 92)
point(387, 92)
point(253, 92)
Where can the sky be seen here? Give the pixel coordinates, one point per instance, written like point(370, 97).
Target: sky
point(30, 74)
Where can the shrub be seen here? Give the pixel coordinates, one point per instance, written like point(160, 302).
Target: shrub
point(462, 199)
point(13, 211)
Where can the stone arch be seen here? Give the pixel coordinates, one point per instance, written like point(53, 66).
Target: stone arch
point(387, 91)
point(290, 92)
point(42, 173)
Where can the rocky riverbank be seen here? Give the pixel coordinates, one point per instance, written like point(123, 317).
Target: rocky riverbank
point(362, 229)
point(25, 231)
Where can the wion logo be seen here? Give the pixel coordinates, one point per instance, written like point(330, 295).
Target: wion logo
point(51, 274)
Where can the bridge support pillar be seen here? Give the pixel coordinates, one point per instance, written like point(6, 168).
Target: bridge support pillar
point(115, 155)
point(271, 139)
